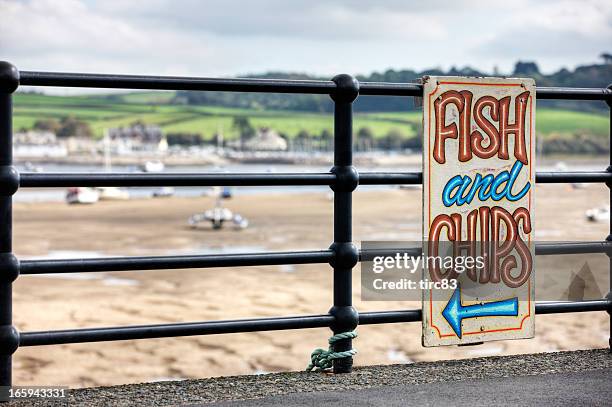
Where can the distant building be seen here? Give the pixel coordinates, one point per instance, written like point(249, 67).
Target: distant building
point(137, 137)
point(266, 140)
point(36, 143)
point(34, 137)
point(81, 145)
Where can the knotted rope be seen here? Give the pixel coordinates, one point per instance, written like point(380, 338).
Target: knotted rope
point(323, 359)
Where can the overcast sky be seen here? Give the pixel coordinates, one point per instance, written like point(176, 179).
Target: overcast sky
point(230, 38)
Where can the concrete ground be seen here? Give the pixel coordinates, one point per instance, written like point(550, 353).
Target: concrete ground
point(590, 388)
point(560, 378)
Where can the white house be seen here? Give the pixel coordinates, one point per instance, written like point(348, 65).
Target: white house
point(266, 140)
point(138, 137)
point(36, 143)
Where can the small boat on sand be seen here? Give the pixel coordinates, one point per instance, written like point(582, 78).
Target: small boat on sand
point(218, 215)
point(153, 166)
point(113, 194)
point(163, 192)
point(32, 168)
point(82, 195)
point(598, 214)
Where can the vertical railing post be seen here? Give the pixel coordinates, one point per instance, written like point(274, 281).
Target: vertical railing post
point(9, 182)
point(346, 253)
point(609, 239)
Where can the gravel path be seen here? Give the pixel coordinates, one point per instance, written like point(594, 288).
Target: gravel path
point(260, 386)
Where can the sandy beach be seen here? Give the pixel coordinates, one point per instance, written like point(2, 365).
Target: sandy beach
point(278, 222)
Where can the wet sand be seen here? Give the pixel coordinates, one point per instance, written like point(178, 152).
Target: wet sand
point(278, 222)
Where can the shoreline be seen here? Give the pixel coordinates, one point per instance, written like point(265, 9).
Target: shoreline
point(392, 159)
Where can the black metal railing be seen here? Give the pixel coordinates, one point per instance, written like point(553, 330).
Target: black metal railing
point(343, 179)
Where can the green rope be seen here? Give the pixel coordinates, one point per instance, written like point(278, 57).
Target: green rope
point(323, 359)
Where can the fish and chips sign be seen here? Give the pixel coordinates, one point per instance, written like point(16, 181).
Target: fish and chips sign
point(478, 226)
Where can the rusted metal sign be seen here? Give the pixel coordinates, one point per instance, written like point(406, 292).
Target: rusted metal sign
point(478, 195)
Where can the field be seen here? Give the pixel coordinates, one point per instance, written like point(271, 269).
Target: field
point(103, 111)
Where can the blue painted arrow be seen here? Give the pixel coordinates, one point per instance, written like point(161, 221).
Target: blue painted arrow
point(455, 312)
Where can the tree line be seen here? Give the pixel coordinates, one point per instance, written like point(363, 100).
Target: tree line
point(67, 126)
point(595, 75)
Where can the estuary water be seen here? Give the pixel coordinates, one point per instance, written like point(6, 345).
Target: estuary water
point(58, 194)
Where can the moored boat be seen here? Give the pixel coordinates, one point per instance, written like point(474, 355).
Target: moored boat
point(153, 166)
point(82, 195)
point(163, 192)
point(113, 194)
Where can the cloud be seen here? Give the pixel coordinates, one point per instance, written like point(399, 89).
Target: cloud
point(333, 20)
point(70, 35)
point(555, 34)
point(230, 37)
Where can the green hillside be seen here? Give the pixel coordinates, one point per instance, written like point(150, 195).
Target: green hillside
point(106, 111)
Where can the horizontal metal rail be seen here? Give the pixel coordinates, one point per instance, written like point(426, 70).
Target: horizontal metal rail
point(388, 178)
point(407, 89)
point(556, 248)
point(39, 338)
point(557, 307)
point(390, 317)
point(51, 180)
point(573, 177)
point(542, 307)
point(541, 249)
point(560, 93)
point(85, 80)
point(32, 78)
point(64, 180)
point(62, 266)
point(172, 330)
point(416, 178)
point(102, 264)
